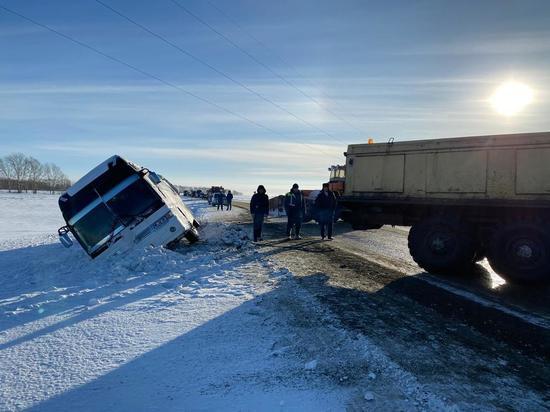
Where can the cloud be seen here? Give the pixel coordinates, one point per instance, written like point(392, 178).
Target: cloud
point(241, 165)
point(502, 43)
point(266, 153)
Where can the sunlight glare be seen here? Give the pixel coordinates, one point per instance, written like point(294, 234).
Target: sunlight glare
point(511, 97)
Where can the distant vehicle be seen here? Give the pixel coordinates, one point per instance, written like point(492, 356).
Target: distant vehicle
point(277, 205)
point(336, 184)
point(119, 205)
point(337, 179)
point(465, 198)
point(219, 199)
point(211, 192)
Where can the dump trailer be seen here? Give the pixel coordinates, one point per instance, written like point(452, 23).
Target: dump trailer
point(465, 199)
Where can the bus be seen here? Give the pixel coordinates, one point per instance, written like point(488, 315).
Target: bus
point(119, 205)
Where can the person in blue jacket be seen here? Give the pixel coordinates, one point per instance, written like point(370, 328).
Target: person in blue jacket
point(295, 208)
point(259, 208)
point(229, 198)
point(325, 203)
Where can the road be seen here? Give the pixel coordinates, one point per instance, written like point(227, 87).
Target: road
point(473, 334)
point(388, 247)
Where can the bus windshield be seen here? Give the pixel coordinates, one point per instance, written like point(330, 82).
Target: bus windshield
point(131, 200)
point(137, 201)
point(95, 227)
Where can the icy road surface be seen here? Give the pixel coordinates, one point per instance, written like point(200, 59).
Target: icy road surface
point(225, 325)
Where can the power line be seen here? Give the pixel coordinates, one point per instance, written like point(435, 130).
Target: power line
point(259, 62)
point(284, 61)
point(213, 68)
point(136, 69)
point(147, 74)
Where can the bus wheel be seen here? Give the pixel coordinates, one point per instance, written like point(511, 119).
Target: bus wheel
point(442, 245)
point(520, 252)
point(192, 235)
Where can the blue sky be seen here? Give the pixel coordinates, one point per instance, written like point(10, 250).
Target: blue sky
point(402, 69)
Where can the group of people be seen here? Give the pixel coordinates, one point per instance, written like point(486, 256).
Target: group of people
point(295, 208)
point(228, 198)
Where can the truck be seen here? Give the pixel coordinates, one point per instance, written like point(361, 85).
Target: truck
point(211, 192)
point(336, 184)
point(464, 198)
point(337, 179)
point(119, 205)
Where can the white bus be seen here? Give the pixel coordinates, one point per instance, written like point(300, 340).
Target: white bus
point(119, 205)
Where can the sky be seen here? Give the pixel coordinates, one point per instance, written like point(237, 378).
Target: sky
point(241, 93)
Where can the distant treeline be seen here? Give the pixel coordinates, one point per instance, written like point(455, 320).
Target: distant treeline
point(19, 173)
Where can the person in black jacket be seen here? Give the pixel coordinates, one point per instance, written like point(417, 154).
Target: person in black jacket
point(325, 203)
point(259, 208)
point(221, 198)
point(295, 208)
point(229, 198)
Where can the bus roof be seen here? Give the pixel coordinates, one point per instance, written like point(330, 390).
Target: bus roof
point(93, 174)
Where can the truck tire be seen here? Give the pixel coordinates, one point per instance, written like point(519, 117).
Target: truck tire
point(192, 235)
point(442, 245)
point(520, 252)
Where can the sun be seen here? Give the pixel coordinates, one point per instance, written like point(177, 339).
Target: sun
point(511, 97)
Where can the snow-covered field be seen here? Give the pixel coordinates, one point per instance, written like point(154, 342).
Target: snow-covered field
point(220, 325)
point(27, 216)
point(194, 329)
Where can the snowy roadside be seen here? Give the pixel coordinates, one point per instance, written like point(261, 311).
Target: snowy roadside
point(195, 329)
point(215, 326)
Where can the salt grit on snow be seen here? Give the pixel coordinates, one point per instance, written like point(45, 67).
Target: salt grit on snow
point(213, 326)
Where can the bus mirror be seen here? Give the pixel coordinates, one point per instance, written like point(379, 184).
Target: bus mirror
point(154, 178)
point(64, 237)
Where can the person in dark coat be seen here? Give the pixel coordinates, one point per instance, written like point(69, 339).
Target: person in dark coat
point(259, 208)
point(229, 198)
point(221, 198)
point(325, 203)
point(295, 208)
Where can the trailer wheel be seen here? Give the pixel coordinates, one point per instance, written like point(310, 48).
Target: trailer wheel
point(442, 245)
point(192, 235)
point(520, 252)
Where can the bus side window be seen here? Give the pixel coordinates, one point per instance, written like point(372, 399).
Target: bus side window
point(154, 178)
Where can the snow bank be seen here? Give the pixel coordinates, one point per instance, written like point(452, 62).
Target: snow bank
point(154, 329)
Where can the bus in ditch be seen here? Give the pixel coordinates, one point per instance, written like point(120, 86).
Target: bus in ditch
point(119, 205)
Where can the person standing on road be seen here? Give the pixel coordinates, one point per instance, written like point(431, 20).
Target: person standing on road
point(229, 198)
point(221, 198)
point(259, 208)
point(325, 203)
point(295, 209)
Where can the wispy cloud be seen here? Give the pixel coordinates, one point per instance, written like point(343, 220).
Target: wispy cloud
point(260, 153)
point(502, 43)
